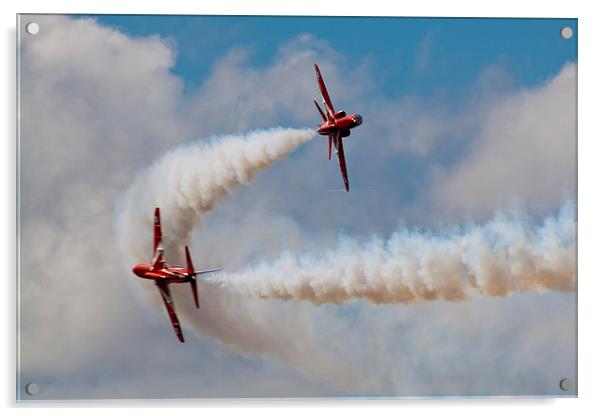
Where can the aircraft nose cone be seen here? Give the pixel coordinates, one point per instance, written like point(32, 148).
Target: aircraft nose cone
point(140, 269)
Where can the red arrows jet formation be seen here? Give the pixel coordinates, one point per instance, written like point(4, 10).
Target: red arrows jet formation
point(164, 274)
point(336, 125)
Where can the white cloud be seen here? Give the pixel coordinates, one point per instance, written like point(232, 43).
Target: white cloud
point(91, 99)
point(236, 96)
point(525, 154)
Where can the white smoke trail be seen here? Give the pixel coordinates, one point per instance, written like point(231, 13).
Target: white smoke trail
point(190, 180)
point(508, 254)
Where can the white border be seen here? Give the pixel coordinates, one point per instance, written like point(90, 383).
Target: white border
point(589, 209)
point(507, 8)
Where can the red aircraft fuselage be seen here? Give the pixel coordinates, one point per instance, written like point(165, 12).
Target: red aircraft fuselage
point(169, 273)
point(342, 123)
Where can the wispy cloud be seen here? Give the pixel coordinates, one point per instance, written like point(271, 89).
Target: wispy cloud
point(424, 52)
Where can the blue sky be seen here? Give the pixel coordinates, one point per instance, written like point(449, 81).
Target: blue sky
point(457, 50)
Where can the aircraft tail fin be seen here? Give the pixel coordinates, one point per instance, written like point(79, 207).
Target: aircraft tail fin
point(189, 266)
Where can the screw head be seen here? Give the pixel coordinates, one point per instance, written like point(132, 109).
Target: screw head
point(32, 28)
point(566, 384)
point(566, 32)
point(32, 389)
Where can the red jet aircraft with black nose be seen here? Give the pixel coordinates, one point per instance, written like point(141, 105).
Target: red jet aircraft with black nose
point(336, 125)
point(164, 274)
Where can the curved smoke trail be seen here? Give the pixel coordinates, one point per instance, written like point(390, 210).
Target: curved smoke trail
point(191, 179)
point(508, 254)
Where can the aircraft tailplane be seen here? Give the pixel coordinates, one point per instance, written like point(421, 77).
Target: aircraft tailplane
point(195, 292)
point(320, 110)
point(193, 285)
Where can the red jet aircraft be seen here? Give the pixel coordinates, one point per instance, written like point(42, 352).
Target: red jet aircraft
point(336, 125)
point(163, 274)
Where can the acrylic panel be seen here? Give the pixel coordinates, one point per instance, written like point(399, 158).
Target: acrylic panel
point(296, 207)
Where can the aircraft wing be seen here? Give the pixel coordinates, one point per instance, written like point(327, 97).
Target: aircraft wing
point(169, 305)
point(157, 230)
point(324, 92)
point(338, 147)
